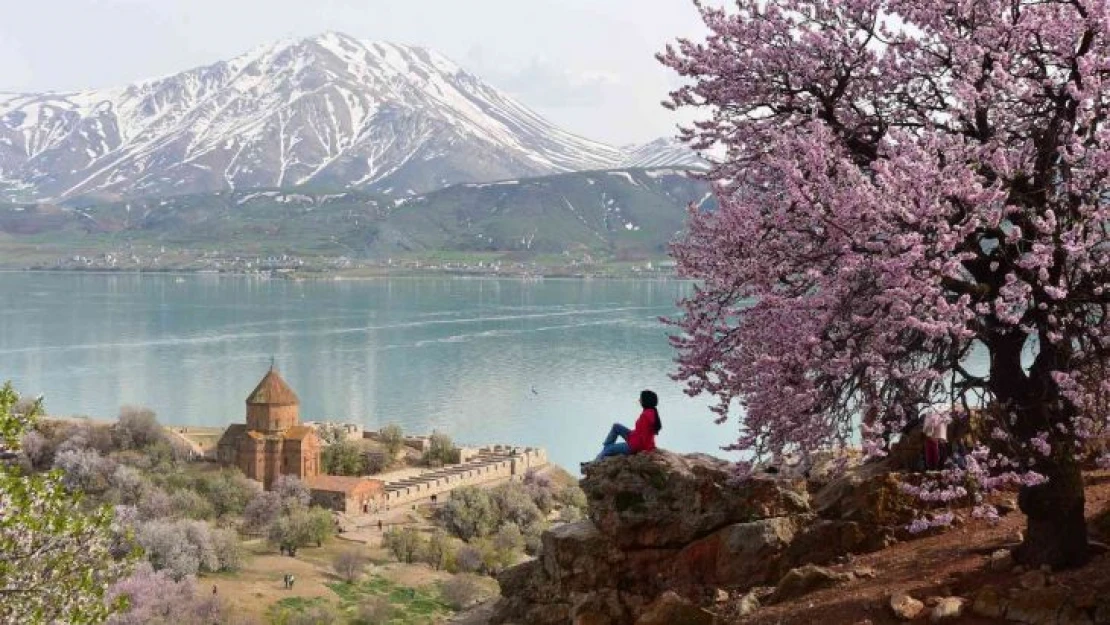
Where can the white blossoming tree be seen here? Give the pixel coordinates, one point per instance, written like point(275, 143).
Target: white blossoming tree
point(56, 561)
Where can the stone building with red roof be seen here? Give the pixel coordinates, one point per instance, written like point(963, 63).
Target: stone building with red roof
point(272, 442)
point(352, 495)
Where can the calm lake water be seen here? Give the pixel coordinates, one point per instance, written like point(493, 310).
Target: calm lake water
point(550, 363)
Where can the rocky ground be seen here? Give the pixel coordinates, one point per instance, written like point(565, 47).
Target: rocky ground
point(672, 540)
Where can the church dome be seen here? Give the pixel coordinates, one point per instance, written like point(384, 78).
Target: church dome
point(272, 391)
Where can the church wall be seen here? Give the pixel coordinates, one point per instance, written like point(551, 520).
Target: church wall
point(266, 418)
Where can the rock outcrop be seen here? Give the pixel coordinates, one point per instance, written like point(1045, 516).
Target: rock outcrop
point(664, 522)
point(668, 500)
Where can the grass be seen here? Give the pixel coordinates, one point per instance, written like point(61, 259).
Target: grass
point(298, 604)
point(409, 602)
point(411, 605)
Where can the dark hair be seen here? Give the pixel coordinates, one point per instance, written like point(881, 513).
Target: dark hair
point(649, 399)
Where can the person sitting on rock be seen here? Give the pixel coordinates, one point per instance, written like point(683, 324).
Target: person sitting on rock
point(642, 437)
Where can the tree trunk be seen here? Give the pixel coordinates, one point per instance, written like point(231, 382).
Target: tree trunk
point(1056, 530)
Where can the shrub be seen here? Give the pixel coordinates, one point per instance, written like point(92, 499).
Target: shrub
point(37, 449)
point(372, 464)
point(156, 597)
point(349, 564)
point(570, 515)
point(128, 485)
point(469, 513)
point(154, 503)
point(515, 505)
point(509, 538)
point(342, 458)
point(289, 533)
point(441, 450)
point(543, 497)
point(84, 469)
point(228, 491)
point(184, 547)
point(262, 510)
point(228, 549)
point(191, 504)
point(533, 537)
point(300, 527)
point(166, 452)
point(137, 428)
point(439, 551)
point(374, 610)
point(393, 439)
point(81, 435)
point(463, 591)
point(494, 559)
point(572, 497)
point(291, 487)
point(405, 544)
point(469, 559)
point(125, 519)
point(321, 525)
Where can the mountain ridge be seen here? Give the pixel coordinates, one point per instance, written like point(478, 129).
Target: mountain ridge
point(328, 110)
point(603, 214)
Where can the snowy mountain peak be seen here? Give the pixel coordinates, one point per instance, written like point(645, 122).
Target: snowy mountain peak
point(663, 152)
point(329, 110)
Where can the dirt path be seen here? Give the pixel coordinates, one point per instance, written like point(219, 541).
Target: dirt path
point(193, 446)
point(949, 564)
point(250, 591)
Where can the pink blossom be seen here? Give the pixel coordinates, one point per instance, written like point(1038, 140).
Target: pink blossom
point(886, 208)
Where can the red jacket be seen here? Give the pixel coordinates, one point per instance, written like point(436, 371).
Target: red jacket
point(643, 435)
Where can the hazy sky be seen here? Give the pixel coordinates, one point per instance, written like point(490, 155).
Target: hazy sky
point(587, 65)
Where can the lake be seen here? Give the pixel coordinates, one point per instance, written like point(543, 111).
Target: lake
point(550, 363)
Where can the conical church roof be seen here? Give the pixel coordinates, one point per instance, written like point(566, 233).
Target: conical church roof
point(273, 391)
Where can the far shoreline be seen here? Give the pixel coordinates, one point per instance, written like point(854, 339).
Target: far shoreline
point(333, 276)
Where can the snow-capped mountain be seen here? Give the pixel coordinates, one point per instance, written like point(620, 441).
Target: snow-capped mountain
point(330, 110)
point(663, 152)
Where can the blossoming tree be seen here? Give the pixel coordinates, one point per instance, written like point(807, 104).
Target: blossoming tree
point(908, 187)
point(55, 558)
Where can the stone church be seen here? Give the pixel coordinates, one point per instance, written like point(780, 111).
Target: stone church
point(272, 442)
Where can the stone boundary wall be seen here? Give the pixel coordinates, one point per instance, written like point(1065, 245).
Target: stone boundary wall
point(492, 463)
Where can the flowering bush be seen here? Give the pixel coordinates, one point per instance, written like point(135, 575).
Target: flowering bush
point(156, 597)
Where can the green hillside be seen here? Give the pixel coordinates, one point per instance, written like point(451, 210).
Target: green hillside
point(608, 214)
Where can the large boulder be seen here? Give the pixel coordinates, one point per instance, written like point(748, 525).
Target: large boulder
point(823, 541)
point(603, 607)
point(529, 597)
point(662, 522)
point(665, 500)
point(739, 555)
point(870, 495)
point(806, 579)
point(671, 609)
point(579, 556)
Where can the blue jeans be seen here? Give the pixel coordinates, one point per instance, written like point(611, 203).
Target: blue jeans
point(610, 447)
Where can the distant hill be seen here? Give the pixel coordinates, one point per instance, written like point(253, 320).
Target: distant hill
point(608, 213)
